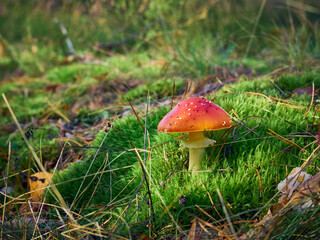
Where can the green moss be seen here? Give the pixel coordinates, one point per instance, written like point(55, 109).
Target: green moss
point(138, 66)
point(158, 89)
point(6, 65)
point(29, 96)
point(26, 97)
point(42, 141)
point(68, 73)
point(244, 153)
point(293, 81)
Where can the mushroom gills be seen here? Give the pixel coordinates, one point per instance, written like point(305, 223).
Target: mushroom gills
point(197, 140)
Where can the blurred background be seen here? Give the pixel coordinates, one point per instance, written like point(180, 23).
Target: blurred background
point(193, 36)
point(71, 68)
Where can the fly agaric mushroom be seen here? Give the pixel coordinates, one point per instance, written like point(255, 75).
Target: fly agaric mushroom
point(195, 115)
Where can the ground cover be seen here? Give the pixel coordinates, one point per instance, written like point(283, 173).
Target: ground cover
point(89, 113)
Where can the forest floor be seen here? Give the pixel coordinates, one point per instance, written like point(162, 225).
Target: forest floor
point(81, 157)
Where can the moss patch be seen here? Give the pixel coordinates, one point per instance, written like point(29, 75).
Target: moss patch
point(69, 73)
point(42, 141)
point(249, 149)
point(157, 89)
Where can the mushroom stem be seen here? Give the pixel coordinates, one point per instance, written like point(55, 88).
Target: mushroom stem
point(196, 143)
point(195, 157)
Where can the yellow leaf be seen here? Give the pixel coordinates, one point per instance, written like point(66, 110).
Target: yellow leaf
point(38, 183)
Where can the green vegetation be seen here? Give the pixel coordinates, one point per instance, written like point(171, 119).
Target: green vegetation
point(248, 150)
point(248, 56)
point(42, 140)
point(157, 89)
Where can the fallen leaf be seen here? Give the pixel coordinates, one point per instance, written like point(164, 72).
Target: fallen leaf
point(302, 193)
point(307, 90)
point(291, 183)
point(52, 88)
point(37, 183)
point(307, 195)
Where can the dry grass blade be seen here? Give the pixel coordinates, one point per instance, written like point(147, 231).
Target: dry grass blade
point(312, 98)
point(173, 90)
point(226, 213)
point(291, 106)
point(87, 231)
point(6, 188)
point(119, 218)
point(192, 232)
point(35, 221)
point(283, 139)
point(255, 27)
point(259, 94)
point(217, 229)
point(207, 214)
point(98, 182)
point(277, 87)
point(68, 140)
point(237, 116)
point(39, 163)
point(166, 208)
point(211, 201)
point(119, 194)
point(86, 187)
point(43, 202)
point(310, 159)
point(135, 113)
point(186, 90)
point(203, 228)
point(144, 159)
point(93, 160)
point(225, 134)
point(147, 182)
point(57, 111)
point(260, 183)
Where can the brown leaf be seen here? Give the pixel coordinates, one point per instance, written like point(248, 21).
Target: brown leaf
point(307, 90)
point(142, 236)
point(291, 183)
point(304, 195)
point(52, 88)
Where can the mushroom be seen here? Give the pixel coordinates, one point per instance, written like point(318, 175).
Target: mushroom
point(195, 115)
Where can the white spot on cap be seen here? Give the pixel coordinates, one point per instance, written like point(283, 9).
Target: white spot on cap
point(166, 130)
point(224, 123)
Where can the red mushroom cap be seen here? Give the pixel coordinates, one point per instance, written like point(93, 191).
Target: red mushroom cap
point(194, 115)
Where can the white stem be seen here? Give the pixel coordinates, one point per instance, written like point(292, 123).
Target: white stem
point(195, 157)
point(196, 143)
